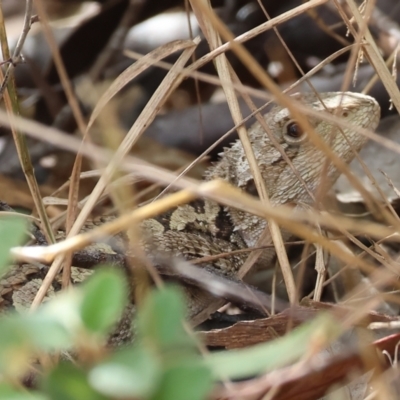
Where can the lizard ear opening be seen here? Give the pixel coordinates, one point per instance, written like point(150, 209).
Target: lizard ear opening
point(293, 133)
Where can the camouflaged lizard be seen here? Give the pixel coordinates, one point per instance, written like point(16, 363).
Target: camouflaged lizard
point(204, 228)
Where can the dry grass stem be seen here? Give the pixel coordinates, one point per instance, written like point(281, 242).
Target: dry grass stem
point(226, 75)
point(366, 269)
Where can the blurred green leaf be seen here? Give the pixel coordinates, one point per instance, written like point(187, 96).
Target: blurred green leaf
point(22, 335)
point(163, 363)
point(104, 298)
point(64, 308)
point(187, 380)
point(7, 392)
point(12, 233)
point(265, 357)
point(160, 319)
point(131, 372)
point(67, 382)
point(45, 333)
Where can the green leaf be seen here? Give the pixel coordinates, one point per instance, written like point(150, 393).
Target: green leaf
point(131, 372)
point(160, 319)
point(162, 351)
point(67, 382)
point(7, 392)
point(188, 380)
point(64, 308)
point(46, 333)
point(22, 335)
point(104, 298)
point(12, 233)
point(265, 357)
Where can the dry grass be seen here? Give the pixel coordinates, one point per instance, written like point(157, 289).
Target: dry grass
point(305, 224)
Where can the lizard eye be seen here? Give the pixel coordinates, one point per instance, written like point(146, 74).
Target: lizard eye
point(293, 133)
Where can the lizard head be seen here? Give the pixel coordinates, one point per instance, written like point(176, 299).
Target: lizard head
point(353, 109)
point(292, 165)
point(307, 156)
point(288, 141)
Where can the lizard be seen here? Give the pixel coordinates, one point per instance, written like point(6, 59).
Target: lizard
point(204, 228)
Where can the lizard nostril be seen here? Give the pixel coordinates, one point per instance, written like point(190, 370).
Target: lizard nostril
point(345, 112)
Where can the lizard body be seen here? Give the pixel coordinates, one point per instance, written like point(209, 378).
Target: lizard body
point(204, 228)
